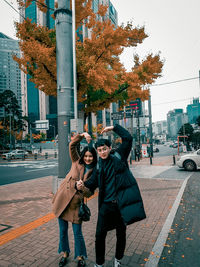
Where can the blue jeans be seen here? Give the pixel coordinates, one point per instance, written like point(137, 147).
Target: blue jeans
point(79, 243)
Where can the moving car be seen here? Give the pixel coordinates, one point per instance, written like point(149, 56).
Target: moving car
point(15, 154)
point(190, 162)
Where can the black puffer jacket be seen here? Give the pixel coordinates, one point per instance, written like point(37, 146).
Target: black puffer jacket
point(128, 194)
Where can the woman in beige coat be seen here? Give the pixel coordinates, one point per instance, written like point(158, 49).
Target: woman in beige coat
point(67, 200)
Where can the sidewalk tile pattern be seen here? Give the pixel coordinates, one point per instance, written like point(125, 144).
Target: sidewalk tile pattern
point(24, 202)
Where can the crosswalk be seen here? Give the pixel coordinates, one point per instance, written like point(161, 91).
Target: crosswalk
point(32, 165)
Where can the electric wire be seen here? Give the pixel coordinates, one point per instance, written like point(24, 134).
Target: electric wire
point(14, 9)
point(178, 81)
point(179, 100)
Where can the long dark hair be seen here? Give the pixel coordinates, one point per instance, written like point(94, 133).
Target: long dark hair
point(91, 150)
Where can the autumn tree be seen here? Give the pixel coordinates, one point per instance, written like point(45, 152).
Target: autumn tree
point(101, 77)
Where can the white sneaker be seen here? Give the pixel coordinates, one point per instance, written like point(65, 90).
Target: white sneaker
point(117, 263)
point(96, 265)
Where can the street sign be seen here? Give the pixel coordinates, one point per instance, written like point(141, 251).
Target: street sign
point(41, 125)
point(76, 125)
point(117, 115)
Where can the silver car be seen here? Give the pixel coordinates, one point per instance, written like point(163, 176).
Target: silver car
point(15, 154)
point(190, 162)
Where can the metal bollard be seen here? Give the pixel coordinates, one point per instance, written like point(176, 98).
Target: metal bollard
point(174, 160)
point(35, 156)
point(55, 155)
point(46, 155)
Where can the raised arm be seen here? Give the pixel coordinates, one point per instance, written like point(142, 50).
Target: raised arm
point(126, 145)
point(125, 148)
point(73, 151)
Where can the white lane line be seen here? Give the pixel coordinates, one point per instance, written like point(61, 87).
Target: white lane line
point(41, 169)
point(161, 240)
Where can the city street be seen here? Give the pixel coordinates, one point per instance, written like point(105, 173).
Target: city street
point(18, 171)
point(29, 231)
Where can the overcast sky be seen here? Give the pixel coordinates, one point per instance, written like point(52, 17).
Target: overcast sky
point(173, 27)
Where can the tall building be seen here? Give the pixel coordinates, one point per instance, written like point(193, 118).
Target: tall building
point(193, 110)
point(35, 104)
point(10, 74)
point(175, 119)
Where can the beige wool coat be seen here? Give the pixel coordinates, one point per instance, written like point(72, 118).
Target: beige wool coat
point(67, 200)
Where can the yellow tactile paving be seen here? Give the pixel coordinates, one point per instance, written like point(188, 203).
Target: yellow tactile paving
point(29, 226)
point(25, 228)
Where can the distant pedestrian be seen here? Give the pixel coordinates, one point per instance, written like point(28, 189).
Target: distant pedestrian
point(67, 200)
point(120, 202)
point(137, 154)
point(40, 149)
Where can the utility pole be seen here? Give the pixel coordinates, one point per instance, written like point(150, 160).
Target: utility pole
point(150, 129)
point(74, 59)
point(64, 60)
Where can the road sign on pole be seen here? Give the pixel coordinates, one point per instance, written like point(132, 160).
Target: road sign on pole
point(41, 125)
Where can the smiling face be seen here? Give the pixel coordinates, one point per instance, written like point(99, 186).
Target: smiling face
point(88, 157)
point(103, 151)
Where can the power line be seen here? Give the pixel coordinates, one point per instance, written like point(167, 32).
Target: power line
point(21, 14)
point(180, 100)
point(178, 81)
point(14, 9)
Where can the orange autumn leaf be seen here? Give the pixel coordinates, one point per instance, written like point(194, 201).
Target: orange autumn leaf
point(146, 259)
point(188, 238)
point(101, 77)
point(182, 256)
point(152, 253)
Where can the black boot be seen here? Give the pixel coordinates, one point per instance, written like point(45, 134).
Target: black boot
point(63, 261)
point(81, 263)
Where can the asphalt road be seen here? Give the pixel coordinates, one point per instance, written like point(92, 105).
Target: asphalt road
point(165, 151)
point(182, 248)
point(18, 171)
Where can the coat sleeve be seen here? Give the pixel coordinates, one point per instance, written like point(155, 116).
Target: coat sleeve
point(92, 183)
point(125, 148)
point(73, 151)
point(86, 191)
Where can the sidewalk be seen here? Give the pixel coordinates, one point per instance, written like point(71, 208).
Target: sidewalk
point(29, 231)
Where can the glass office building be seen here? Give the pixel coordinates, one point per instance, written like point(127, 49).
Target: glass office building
point(10, 74)
point(32, 92)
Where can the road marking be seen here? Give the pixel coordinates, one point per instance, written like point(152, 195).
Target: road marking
point(15, 233)
point(39, 169)
point(161, 240)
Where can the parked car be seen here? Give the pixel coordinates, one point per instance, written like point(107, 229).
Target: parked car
point(190, 162)
point(15, 154)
